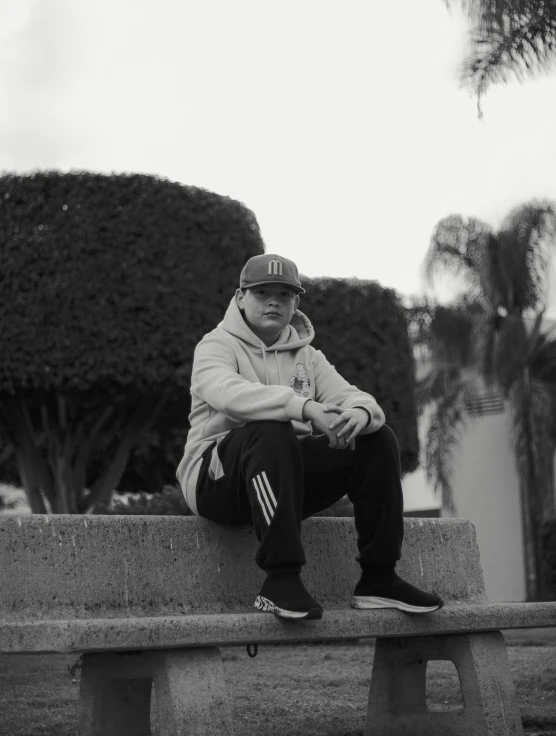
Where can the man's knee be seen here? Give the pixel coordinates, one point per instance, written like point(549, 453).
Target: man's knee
point(383, 436)
point(386, 434)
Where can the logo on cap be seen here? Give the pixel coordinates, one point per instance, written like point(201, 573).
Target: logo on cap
point(275, 268)
point(269, 268)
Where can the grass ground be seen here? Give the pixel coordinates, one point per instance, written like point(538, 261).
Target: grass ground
point(285, 691)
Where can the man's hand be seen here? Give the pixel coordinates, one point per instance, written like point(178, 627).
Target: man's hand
point(353, 421)
point(317, 413)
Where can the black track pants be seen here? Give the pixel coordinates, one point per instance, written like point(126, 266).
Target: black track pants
point(262, 474)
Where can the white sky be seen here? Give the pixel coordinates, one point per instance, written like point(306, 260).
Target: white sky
point(340, 124)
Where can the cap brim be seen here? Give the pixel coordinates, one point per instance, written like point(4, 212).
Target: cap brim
point(299, 289)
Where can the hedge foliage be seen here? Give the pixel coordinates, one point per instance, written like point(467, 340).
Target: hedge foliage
point(110, 281)
point(169, 502)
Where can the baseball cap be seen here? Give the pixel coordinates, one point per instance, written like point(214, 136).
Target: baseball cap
point(270, 268)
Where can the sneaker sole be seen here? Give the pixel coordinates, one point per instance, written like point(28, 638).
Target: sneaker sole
point(369, 602)
point(267, 606)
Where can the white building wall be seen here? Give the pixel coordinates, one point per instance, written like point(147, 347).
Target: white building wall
point(486, 490)
point(417, 493)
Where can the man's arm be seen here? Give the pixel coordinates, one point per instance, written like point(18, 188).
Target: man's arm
point(332, 389)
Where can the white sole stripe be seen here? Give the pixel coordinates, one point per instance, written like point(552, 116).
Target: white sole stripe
point(261, 502)
point(269, 489)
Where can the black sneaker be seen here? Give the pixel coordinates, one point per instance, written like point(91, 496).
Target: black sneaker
point(284, 595)
point(394, 593)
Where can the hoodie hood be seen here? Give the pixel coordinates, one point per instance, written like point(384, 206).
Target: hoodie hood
point(298, 333)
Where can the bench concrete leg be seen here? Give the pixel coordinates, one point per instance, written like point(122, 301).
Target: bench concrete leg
point(397, 697)
point(115, 693)
point(191, 693)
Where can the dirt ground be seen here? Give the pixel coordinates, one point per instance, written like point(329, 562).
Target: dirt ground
point(299, 690)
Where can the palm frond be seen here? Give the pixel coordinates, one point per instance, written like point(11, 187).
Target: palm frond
point(457, 247)
point(489, 11)
point(511, 38)
point(527, 244)
point(541, 362)
point(532, 406)
point(445, 332)
point(501, 345)
point(439, 382)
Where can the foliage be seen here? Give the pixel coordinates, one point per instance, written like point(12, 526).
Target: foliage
point(169, 502)
point(120, 275)
point(107, 284)
point(508, 38)
point(12, 499)
point(549, 553)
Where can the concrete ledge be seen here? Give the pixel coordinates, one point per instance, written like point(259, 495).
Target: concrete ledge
point(102, 635)
point(63, 566)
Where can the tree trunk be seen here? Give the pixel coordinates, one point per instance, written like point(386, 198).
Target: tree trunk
point(139, 422)
point(54, 441)
point(529, 547)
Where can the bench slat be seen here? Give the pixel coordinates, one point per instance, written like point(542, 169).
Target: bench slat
point(99, 635)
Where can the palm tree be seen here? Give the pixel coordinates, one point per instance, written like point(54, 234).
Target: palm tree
point(491, 336)
point(508, 37)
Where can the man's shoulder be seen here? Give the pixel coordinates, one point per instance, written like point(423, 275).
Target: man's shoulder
point(217, 337)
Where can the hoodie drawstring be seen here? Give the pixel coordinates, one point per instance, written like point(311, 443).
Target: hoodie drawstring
point(263, 348)
point(264, 362)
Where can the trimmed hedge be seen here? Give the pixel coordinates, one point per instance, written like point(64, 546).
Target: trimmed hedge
point(111, 280)
point(106, 285)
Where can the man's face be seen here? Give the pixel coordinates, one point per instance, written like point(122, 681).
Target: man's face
point(267, 309)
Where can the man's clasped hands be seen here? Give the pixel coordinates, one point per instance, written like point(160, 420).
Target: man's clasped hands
point(341, 426)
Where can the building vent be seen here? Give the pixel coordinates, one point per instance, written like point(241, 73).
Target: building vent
point(486, 403)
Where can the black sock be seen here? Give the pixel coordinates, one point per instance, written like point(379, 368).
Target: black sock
point(377, 573)
point(283, 570)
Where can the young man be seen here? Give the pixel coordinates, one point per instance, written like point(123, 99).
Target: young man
point(278, 435)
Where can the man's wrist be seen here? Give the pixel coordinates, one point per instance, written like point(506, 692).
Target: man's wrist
point(305, 407)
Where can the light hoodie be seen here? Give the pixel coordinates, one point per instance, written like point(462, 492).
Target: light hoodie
point(237, 379)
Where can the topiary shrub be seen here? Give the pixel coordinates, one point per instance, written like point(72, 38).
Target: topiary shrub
point(107, 283)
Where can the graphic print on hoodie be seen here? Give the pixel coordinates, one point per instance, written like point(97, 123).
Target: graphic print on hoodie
point(237, 379)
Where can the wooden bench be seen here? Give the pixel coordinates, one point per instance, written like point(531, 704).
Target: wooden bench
point(151, 599)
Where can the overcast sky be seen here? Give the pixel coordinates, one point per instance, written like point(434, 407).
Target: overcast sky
point(340, 124)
